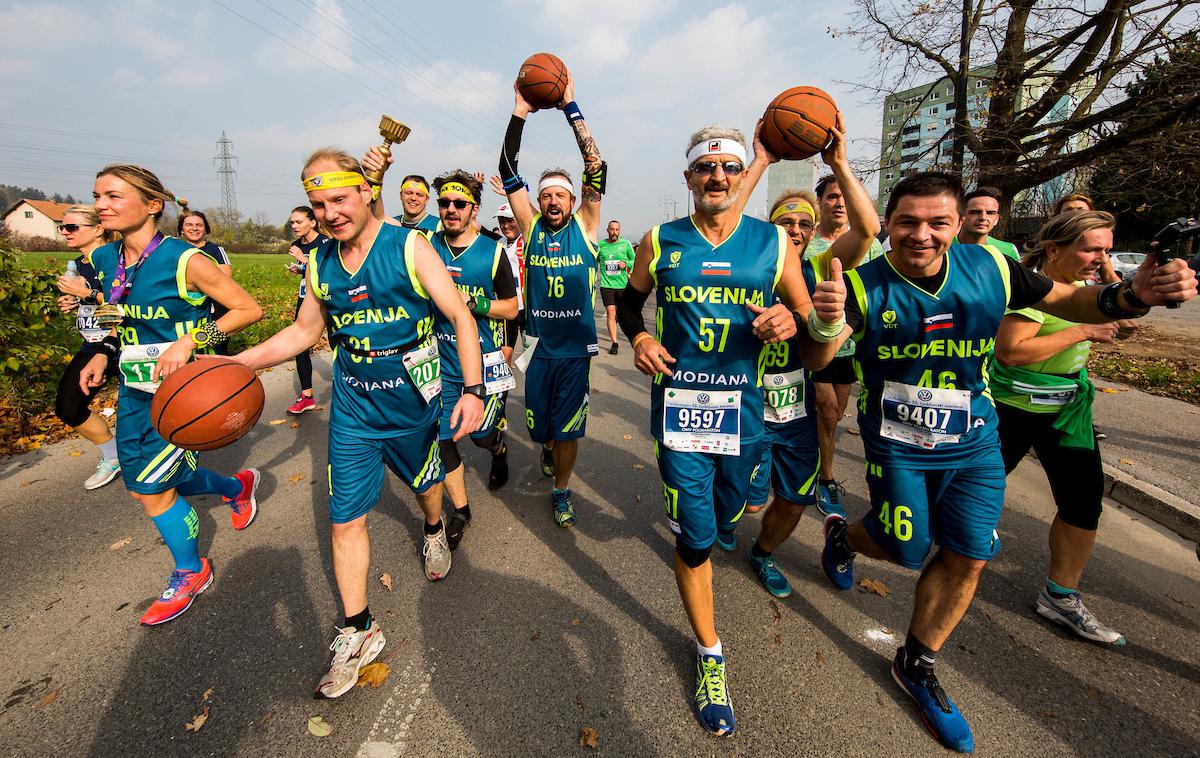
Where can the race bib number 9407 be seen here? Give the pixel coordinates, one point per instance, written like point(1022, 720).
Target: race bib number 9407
point(924, 416)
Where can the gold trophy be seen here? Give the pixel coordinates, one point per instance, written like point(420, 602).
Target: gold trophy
point(109, 315)
point(393, 132)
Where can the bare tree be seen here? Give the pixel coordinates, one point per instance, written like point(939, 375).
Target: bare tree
point(1056, 73)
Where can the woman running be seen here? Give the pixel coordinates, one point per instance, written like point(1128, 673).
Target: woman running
point(308, 238)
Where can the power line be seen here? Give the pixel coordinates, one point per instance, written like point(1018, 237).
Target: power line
point(226, 173)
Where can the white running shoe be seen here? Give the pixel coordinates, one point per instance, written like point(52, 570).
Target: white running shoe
point(352, 650)
point(437, 555)
point(106, 471)
point(1073, 614)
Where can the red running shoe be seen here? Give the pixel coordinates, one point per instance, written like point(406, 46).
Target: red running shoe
point(182, 588)
point(302, 404)
point(244, 507)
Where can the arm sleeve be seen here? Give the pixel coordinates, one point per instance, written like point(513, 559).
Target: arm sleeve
point(629, 311)
point(511, 147)
point(503, 281)
point(1027, 286)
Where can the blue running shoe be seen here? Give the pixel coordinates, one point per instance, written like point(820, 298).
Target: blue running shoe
point(727, 541)
point(942, 717)
point(829, 499)
point(564, 512)
point(713, 706)
point(770, 576)
point(837, 559)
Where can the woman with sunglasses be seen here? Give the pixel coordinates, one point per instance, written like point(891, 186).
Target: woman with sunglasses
point(308, 238)
point(81, 229)
point(194, 228)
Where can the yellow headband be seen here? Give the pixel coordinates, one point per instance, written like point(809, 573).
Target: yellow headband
point(414, 184)
point(460, 189)
point(794, 206)
point(333, 180)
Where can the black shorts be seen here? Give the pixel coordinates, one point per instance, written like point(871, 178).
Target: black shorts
point(610, 295)
point(839, 371)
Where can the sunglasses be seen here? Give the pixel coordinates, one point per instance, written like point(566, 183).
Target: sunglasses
point(708, 168)
point(787, 223)
point(72, 228)
point(444, 202)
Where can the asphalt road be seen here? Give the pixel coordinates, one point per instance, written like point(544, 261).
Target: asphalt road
point(539, 631)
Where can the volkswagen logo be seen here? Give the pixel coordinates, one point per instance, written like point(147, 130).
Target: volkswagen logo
point(152, 352)
point(703, 398)
point(924, 396)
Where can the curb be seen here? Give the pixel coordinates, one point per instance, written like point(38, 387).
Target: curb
point(1155, 503)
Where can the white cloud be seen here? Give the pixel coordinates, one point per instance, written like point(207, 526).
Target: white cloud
point(593, 35)
point(322, 39)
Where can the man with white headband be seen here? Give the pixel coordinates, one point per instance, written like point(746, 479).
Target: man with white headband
point(715, 274)
point(560, 294)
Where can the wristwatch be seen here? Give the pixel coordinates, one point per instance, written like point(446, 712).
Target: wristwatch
point(475, 389)
point(200, 337)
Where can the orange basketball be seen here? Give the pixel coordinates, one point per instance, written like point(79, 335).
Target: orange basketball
point(796, 124)
point(542, 80)
point(207, 404)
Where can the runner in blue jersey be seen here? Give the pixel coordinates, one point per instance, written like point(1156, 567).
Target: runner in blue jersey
point(716, 275)
point(479, 267)
point(560, 294)
point(414, 198)
point(303, 223)
point(162, 286)
point(791, 456)
point(193, 228)
point(376, 285)
point(925, 317)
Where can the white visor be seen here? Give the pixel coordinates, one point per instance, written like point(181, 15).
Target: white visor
point(555, 181)
point(717, 147)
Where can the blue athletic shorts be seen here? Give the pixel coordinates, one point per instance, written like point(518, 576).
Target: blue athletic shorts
point(493, 411)
point(149, 464)
point(958, 509)
point(556, 398)
point(356, 468)
point(703, 492)
point(789, 464)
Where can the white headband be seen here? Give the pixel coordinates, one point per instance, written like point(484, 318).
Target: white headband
point(717, 147)
point(555, 181)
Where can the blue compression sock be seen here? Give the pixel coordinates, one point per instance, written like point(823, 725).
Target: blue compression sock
point(180, 527)
point(205, 482)
point(1057, 590)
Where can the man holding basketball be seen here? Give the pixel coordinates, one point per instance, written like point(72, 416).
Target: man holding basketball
point(376, 285)
point(717, 275)
point(560, 293)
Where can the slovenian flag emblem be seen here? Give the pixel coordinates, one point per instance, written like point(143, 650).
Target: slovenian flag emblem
point(940, 321)
point(358, 293)
point(715, 268)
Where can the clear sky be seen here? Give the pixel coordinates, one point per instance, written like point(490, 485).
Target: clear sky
point(83, 84)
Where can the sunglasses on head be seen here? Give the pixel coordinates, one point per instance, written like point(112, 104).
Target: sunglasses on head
point(445, 202)
point(708, 168)
point(72, 228)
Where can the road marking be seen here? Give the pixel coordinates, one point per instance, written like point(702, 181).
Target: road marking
point(388, 735)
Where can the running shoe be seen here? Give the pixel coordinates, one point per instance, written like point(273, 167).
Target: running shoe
point(941, 717)
point(498, 473)
point(437, 554)
point(244, 508)
point(182, 588)
point(1073, 614)
point(547, 461)
point(564, 512)
point(769, 574)
point(613, 350)
point(454, 530)
point(837, 559)
point(352, 649)
point(106, 471)
point(727, 541)
point(829, 499)
point(713, 705)
point(303, 403)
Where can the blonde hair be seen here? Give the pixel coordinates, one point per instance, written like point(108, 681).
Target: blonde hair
point(792, 194)
point(1075, 196)
point(340, 158)
point(1064, 230)
point(93, 218)
point(149, 186)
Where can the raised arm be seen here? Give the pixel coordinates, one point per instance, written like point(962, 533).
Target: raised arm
point(763, 158)
point(860, 211)
point(593, 167)
point(510, 179)
point(1151, 285)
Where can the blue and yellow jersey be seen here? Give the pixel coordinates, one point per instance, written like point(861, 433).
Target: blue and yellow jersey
point(158, 306)
point(703, 319)
point(429, 224)
point(560, 289)
point(921, 360)
point(474, 272)
point(380, 306)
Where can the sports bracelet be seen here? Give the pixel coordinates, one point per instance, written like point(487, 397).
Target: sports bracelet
point(215, 335)
point(637, 338)
point(480, 305)
point(571, 111)
point(821, 331)
point(597, 179)
point(110, 346)
point(1108, 305)
point(514, 183)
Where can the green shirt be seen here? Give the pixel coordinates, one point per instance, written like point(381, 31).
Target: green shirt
point(819, 244)
point(1067, 362)
point(1007, 248)
point(612, 254)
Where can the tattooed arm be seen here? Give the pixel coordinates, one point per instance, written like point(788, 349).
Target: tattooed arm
point(589, 209)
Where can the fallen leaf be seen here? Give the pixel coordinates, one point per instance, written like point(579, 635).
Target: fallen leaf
point(779, 639)
point(626, 436)
point(208, 693)
point(1047, 714)
point(120, 543)
point(775, 612)
point(278, 421)
point(386, 580)
point(294, 425)
point(1127, 462)
point(373, 675)
point(1108, 390)
point(589, 737)
point(638, 498)
point(318, 727)
point(195, 724)
point(49, 698)
point(875, 587)
point(575, 622)
point(295, 478)
point(75, 453)
point(639, 466)
point(853, 431)
point(1091, 693)
point(535, 637)
point(820, 660)
point(1184, 603)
